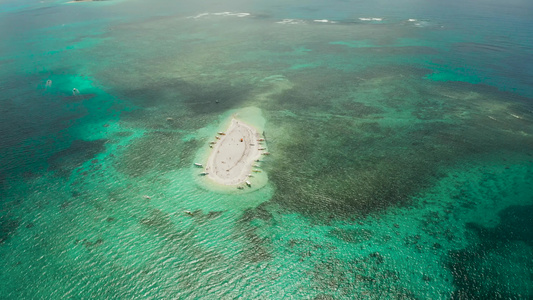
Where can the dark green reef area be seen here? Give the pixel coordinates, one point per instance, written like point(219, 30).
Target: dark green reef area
point(400, 133)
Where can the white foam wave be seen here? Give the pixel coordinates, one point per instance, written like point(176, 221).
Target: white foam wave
point(324, 21)
point(291, 21)
point(226, 13)
point(422, 24)
point(371, 19)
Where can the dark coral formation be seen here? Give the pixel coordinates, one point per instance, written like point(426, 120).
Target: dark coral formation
point(80, 151)
point(8, 227)
point(479, 271)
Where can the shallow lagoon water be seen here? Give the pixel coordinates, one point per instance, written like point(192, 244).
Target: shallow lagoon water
point(401, 141)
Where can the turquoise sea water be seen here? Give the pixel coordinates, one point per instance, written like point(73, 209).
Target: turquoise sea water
point(400, 133)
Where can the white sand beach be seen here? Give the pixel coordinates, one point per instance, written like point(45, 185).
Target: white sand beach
point(234, 154)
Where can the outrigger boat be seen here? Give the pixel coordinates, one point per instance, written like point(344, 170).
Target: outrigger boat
point(221, 133)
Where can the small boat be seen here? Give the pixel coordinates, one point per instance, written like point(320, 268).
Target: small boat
point(256, 171)
point(266, 153)
point(221, 133)
point(198, 165)
point(240, 187)
point(204, 173)
point(147, 197)
point(261, 140)
point(212, 143)
point(262, 148)
point(217, 137)
point(252, 144)
point(256, 166)
point(248, 183)
point(188, 212)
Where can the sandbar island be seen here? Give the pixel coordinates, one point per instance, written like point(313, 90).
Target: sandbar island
point(235, 154)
